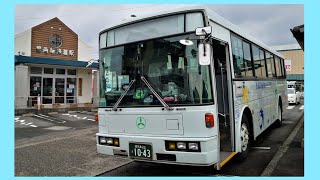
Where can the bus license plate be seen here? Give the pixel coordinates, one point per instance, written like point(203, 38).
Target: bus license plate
point(140, 151)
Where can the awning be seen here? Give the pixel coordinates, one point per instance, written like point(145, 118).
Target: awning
point(295, 77)
point(298, 33)
point(51, 61)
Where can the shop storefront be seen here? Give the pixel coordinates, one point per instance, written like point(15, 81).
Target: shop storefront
point(50, 68)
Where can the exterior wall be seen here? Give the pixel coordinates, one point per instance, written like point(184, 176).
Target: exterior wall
point(297, 60)
point(39, 35)
point(42, 33)
point(21, 82)
point(22, 43)
point(96, 88)
point(84, 51)
point(86, 75)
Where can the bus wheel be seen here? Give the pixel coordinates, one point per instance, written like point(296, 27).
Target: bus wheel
point(244, 138)
point(279, 120)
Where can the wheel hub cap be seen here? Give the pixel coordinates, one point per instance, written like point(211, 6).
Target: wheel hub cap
point(244, 137)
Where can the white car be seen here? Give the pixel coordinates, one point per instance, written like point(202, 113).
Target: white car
point(293, 96)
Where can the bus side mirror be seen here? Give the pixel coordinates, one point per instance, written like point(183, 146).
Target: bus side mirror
point(204, 31)
point(205, 54)
point(205, 50)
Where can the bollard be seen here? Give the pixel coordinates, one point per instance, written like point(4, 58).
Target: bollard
point(38, 102)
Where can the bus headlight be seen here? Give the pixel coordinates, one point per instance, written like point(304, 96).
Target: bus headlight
point(109, 141)
point(103, 140)
point(193, 146)
point(181, 145)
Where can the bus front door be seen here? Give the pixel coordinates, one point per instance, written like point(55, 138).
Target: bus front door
point(223, 89)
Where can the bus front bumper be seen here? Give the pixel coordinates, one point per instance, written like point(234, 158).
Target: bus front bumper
point(207, 156)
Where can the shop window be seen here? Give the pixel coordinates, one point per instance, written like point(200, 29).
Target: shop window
point(47, 100)
point(60, 71)
point(48, 70)
point(72, 72)
point(35, 86)
point(35, 70)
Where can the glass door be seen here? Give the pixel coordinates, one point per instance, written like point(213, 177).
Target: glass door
point(59, 90)
point(71, 90)
point(47, 90)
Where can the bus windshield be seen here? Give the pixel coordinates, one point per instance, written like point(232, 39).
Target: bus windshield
point(171, 68)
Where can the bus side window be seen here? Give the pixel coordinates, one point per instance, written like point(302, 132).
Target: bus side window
point(237, 55)
point(278, 67)
point(270, 68)
point(241, 53)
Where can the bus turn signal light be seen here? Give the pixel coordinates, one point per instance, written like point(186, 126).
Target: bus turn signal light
point(209, 120)
point(97, 117)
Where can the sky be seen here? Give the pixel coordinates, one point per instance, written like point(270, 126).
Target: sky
point(270, 24)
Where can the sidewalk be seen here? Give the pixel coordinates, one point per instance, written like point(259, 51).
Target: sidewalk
point(48, 110)
point(292, 161)
point(68, 154)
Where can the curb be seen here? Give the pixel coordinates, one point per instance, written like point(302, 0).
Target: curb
point(27, 115)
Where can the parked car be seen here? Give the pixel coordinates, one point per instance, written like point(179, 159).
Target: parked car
point(293, 96)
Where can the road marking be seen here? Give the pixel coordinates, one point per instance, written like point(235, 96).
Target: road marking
point(282, 149)
point(44, 115)
point(75, 116)
point(22, 122)
point(287, 122)
point(39, 116)
point(290, 107)
point(302, 107)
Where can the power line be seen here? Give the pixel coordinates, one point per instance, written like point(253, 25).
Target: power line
point(31, 18)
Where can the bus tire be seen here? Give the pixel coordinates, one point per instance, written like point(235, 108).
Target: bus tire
point(244, 138)
point(279, 120)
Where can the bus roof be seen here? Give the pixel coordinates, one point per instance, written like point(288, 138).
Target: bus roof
point(211, 16)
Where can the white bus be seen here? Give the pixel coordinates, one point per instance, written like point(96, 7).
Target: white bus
point(186, 87)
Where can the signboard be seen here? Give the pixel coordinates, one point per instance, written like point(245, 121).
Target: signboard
point(287, 64)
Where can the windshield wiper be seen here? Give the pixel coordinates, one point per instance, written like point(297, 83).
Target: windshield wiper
point(156, 94)
point(123, 94)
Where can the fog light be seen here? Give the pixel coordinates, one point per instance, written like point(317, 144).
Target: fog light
point(193, 146)
point(172, 146)
point(103, 140)
point(181, 145)
point(116, 141)
point(109, 141)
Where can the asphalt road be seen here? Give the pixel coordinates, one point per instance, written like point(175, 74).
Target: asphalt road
point(291, 164)
point(64, 145)
point(34, 125)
